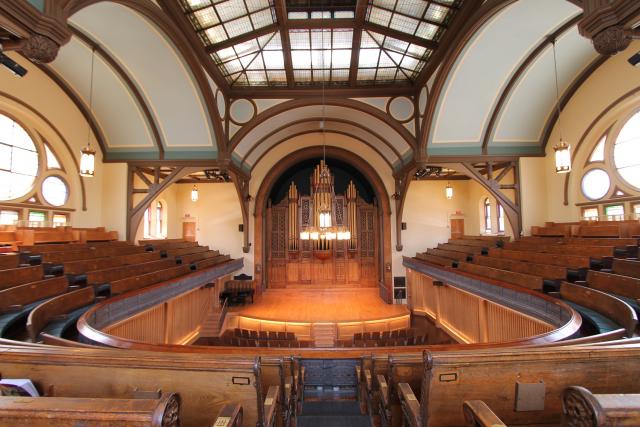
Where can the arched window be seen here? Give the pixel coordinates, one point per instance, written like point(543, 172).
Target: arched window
point(500, 218)
point(610, 179)
point(487, 215)
point(32, 174)
point(159, 230)
point(146, 224)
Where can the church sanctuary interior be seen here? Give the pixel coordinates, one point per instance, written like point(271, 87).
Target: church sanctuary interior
point(319, 213)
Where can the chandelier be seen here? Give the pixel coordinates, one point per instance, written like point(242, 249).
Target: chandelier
point(323, 194)
point(323, 197)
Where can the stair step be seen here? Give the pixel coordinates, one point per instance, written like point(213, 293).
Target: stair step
point(331, 407)
point(333, 421)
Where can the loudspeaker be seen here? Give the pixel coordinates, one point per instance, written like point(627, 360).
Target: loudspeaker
point(403, 226)
point(241, 227)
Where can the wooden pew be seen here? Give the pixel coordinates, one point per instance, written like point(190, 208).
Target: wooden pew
point(19, 296)
point(564, 260)
point(469, 250)
point(205, 383)
point(122, 272)
point(494, 239)
point(98, 234)
point(605, 311)
point(99, 412)
point(187, 251)
point(90, 253)
point(174, 245)
point(552, 230)
point(53, 317)
point(137, 282)
point(10, 239)
point(626, 267)
point(86, 265)
point(210, 262)
point(478, 414)
point(18, 276)
point(70, 247)
point(453, 255)
point(9, 261)
point(435, 259)
point(158, 241)
point(593, 241)
point(34, 236)
point(520, 386)
point(525, 280)
point(583, 408)
point(187, 259)
point(546, 271)
point(473, 242)
point(590, 251)
point(16, 303)
point(624, 287)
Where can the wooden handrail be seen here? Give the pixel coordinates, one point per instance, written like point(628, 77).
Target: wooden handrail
point(410, 405)
point(271, 403)
point(229, 416)
point(478, 414)
point(223, 313)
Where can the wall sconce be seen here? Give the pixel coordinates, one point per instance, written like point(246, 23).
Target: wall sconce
point(563, 157)
point(448, 191)
point(396, 195)
point(194, 193)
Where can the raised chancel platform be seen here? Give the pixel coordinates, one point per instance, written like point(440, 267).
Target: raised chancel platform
point(305, 312)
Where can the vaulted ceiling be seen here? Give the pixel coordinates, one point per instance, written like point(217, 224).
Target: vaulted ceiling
point(229, 80)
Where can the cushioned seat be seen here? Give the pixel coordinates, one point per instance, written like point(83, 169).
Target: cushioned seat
point(600, 322)
point(58, 327)
point(7, 320)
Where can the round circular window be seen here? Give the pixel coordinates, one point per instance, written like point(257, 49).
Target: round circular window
point(55, 191)
point(595, 184)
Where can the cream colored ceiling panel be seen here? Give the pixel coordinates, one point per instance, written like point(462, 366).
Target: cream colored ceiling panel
point(114, 106)
point(332, 128)
point(488, 62)
point(377, 126)
point(527, 109)
point(157, 68)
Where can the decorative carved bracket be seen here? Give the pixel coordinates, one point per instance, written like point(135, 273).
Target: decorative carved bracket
point(241, 182)
point(402, 181)
point(608, 24)
point(38, 34)
point(483, 173)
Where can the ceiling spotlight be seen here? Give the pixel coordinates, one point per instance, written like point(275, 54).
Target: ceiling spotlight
point(635, 60)
point(12, 65)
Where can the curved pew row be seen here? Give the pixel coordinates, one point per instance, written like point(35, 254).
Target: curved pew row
point(205, 384)
point(162, 411)
point(602, 312)
point(520, 387)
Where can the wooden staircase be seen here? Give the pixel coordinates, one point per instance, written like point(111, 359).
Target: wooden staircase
point(210, 325)
point(324, 334)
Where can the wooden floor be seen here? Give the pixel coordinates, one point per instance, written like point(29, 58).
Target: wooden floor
point(321, 305)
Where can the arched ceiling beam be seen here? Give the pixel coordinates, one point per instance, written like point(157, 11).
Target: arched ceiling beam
point(126, 78)
point(298, 103)
point(515, 77)
point(184, 47)
point(312, 131)
point(360, 126)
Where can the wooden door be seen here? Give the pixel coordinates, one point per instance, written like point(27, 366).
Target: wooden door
point(189, 231)
point(457, 228)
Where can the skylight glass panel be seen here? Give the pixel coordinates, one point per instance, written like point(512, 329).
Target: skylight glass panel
point(380, 16)
point(321, 49)
point(301, 58)
point(369, 58)
point(427, 31)
point(320, 15)
point(237, 26)
point(414, 8)
point(344, 14)
point(196, 4)
point(231, 9)
point(341, 58)
point(298, 15)
point(404, 24)
point(437, 13)
point(273, 60)
point(216, 34)
point(254, 5)
point(261, 19)
point(206, 17)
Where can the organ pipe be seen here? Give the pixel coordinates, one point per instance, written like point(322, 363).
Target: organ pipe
point(352, 196)
point(293, 217)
